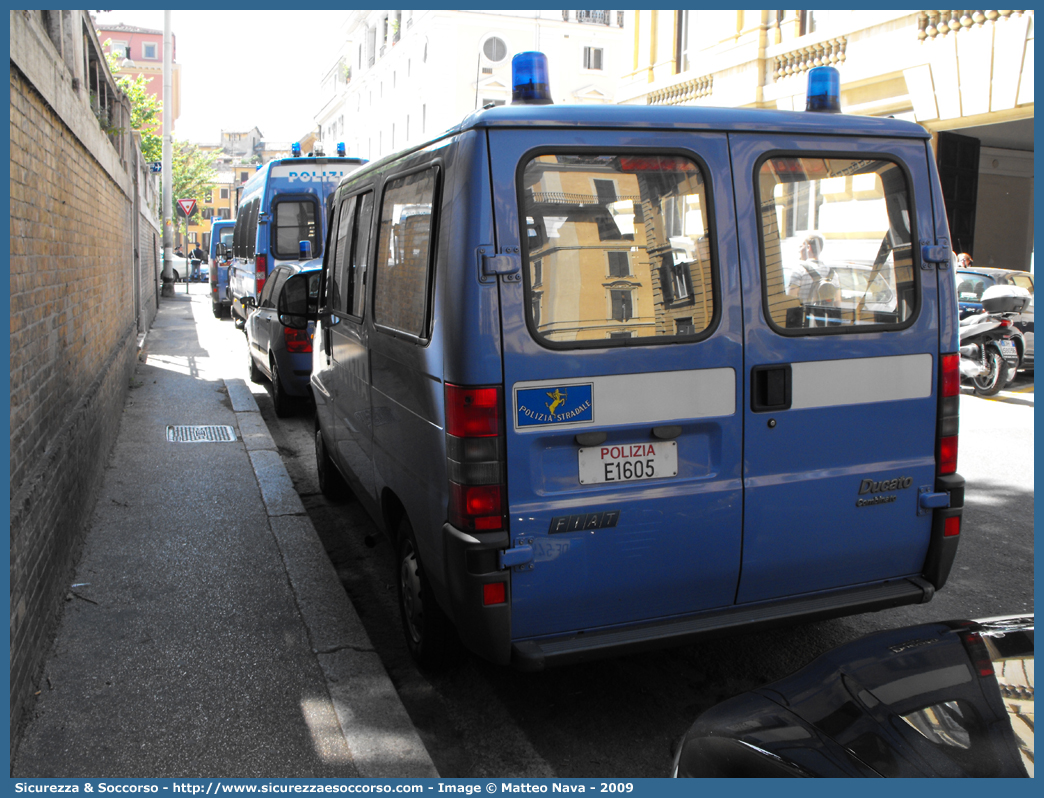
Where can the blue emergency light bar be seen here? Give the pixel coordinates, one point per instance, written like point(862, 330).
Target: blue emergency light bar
point(529, 84)
point(295, 149)
point(341, 149)
point(824, 90)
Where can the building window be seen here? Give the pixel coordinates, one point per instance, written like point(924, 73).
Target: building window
point(244, 176)
point(538, 272)
point(495, 49)
point(619, 264)
point(148, 51)
point(224, 193)
point(684, 326)
point(122, 49)
point(622, 334)
point(622, 306)
point(606, 191)
point(488, 101)
point(593, 58)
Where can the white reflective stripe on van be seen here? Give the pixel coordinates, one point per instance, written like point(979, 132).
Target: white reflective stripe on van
point(829, 383)
point(644, 398)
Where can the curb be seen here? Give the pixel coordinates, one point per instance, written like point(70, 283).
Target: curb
point(372, 721)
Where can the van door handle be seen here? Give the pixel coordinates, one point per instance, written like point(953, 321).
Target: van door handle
point(770, 388)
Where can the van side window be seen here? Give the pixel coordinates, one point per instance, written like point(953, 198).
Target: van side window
point(618, 249)
point(340, 240)
point(237, 234)
point(249, 244)
point(402, 266)
point(294, 221)
point(355, 273)
point(836, 242)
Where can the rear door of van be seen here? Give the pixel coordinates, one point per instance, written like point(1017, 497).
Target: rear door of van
point(842, 360)
point(623, 374)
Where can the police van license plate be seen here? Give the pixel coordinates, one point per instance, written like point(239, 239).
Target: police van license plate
point(628, 462)
point(1008, 351)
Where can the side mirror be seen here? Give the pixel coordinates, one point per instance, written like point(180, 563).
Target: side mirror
point(224, 251)
point(298, 302)
point(250, 302)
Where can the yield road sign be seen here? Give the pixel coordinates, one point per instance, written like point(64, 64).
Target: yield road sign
point(187, 206)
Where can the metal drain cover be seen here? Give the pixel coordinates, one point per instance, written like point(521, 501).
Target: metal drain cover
point(200, 434)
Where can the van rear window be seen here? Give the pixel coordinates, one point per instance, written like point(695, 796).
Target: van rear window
point(295, 222)
point(836, 235)
point(617, 249)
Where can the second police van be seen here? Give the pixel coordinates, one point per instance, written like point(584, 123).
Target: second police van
point(283, 203)
point(615, 377)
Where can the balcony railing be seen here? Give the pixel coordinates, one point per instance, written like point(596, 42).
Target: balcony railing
point(827, 53)
point(683, 93)
point(935, 24)
point(593, 17)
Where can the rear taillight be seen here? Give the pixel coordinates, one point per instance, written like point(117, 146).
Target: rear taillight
point(475, 458)
point(949, 414)
point(297, 342)
point(261, 269)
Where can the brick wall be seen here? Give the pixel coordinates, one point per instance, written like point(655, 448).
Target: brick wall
point(75, 317)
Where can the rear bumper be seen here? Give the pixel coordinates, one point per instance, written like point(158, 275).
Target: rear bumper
point(470, 561)
point(532, 655)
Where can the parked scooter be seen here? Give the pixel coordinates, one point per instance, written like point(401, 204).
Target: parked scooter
point(991, 344)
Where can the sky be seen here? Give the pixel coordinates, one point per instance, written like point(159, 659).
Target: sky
point(276, 90)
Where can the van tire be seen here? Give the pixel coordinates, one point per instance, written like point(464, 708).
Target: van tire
point(284, 403)
point(430, 637)
point(216, 308)
point(331, 484)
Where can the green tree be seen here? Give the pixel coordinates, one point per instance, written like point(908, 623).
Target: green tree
point(145, 108)
point(193, 174)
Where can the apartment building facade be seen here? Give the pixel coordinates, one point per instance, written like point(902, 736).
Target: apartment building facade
point(967, 76)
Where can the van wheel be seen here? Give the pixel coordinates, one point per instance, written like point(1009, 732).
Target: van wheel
point(215, 307)
point(331, 483)
point(993, 381)
point(176, 275)
point(255, 372)
point(430, 637)
point(284, 403)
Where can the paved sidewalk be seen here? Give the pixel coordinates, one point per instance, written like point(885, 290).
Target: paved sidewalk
point(205, 633)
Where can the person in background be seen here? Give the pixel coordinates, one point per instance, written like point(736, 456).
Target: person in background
point(964, 260)
point(195, 258)
point(810, 272)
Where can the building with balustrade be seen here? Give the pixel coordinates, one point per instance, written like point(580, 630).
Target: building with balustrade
point(966, 76)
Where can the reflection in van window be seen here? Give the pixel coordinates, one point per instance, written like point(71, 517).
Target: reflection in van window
point(295, 222)
point(402, 263)
point(617, 248)
point(836, 237)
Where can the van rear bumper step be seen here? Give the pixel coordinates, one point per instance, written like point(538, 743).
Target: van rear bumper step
point(534, 655)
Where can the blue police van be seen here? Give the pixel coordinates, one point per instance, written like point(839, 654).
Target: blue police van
point(616, 377)
point(221, 231)
point(282, 204)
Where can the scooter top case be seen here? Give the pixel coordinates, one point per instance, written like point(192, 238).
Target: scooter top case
point(1005, 299)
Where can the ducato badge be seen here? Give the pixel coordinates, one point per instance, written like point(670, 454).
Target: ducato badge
point(879, 487)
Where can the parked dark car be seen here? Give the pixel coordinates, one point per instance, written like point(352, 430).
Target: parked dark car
point(951, 699)
point(971, 282)
point(278, 352)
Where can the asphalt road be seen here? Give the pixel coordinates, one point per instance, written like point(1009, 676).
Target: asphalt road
point(622, 717)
